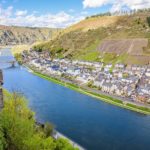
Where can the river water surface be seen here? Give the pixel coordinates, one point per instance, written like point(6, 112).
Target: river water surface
point(90, 122)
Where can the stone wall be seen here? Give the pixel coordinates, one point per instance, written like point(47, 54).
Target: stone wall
point(1, 90)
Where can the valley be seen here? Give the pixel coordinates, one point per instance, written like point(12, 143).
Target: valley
point(91, 80)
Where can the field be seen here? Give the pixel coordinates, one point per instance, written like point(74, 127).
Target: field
point(129, 46)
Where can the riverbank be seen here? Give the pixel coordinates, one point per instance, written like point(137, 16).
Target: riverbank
point(6, 46)
point(107, 99)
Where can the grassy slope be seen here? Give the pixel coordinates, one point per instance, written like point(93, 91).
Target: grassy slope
point(17, 49)
point(81, 40)
point(93, 23)
point(20, 48)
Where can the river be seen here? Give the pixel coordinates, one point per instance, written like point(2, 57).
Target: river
point(90, 122)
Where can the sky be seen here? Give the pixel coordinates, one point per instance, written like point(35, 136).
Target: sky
point(59, 13)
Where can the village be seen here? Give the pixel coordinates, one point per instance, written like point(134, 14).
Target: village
point(125, 81)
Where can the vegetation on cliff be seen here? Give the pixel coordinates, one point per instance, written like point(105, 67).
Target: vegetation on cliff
point(18, 130)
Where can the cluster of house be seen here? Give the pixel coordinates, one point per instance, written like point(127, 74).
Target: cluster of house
point(126, 81)
point(130, 81)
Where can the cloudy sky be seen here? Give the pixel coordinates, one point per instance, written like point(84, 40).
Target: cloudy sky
point(59, 13)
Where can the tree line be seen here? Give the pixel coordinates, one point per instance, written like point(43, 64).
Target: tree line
point(121, 12)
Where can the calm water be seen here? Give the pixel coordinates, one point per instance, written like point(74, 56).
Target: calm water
point(93, 124)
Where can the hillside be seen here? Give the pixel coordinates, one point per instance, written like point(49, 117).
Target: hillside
point(109, 39)
point(11, 35)
point(93, 23)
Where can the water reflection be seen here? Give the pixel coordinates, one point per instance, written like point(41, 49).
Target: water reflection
point(5, 58)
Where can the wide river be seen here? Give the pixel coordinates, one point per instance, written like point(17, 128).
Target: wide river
point(90, 122)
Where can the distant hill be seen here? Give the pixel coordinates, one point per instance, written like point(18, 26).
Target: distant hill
point(109, 39)
point(11, 35)
point(93, 23)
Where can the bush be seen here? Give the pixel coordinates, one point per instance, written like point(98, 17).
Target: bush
point(48, 129)
point(63, 144)
point(148, 21)
point(2, 139)
point(59, 50)
point(18, 57)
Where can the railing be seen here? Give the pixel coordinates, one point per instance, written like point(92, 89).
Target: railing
point(58, 135)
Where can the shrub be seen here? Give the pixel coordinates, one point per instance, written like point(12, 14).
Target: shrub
point(63, 144)
point(48, 129)
point(148, 21)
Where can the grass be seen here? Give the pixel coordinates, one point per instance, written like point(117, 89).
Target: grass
point(138, 107)
point(90, 53)
point(108, 57)
point(91, 56)
point(101, 97)
point(93, 23)
point(17, 49)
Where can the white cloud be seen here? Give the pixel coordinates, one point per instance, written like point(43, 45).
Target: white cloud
point(117, 4)
point(94, 3)
point(23, 18)
point(136, 4)
point(21, 12)
point(116, 7)
point(4, 13)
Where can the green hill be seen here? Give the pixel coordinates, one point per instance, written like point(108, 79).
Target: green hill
point(110, 39)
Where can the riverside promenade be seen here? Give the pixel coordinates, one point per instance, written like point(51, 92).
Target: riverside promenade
point(1, 90)
point(58, 135)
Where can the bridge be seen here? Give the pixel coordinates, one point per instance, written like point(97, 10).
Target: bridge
point(12, 62)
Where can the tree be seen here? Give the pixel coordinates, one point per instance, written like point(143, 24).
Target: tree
point(148, 20)
point(18, 121)
point(38, 142)
point(63, 144)
point(18, 57)
point(2, 139)
point(18, 130)
point(48, 129)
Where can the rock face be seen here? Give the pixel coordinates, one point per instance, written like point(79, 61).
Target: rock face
point(24, 35)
